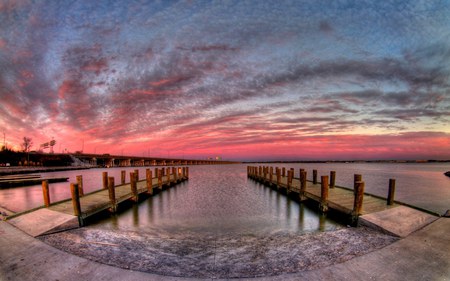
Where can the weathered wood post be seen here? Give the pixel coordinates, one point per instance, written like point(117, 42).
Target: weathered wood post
point(271, 175)
point(184, 172)
point(123, 176)
point(46, 193)
point(80, 185)
point(168, 177)
point(180, 173)
point(324, 194)
point(314, 176)
point(358, 201)
point(159, 173)
point(187, 172)
point(278, 178)
point(302, 185)
point(112, 194)
point(105, 180)
point(174, 172)
point(136, 174)
point(283, 172)
point(356, 178)
point(148, 177)
point(76, 202)
point(133, 185)
point(390, 199)
point(289, 180)
point(265, 174)
point(332, 179)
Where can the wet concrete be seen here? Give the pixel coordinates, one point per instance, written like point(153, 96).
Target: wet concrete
point(192, 255)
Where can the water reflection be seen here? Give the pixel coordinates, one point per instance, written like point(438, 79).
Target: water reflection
point(219, 200)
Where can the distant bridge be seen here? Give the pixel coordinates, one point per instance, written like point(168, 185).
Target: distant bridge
point(107, 160)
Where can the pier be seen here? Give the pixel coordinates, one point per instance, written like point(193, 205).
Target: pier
point(352, 203)
point(73, 212)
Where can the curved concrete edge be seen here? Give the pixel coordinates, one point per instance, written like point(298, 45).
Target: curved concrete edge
point(423, 255)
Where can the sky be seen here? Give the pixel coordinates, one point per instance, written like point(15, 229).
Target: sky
point(244, 80)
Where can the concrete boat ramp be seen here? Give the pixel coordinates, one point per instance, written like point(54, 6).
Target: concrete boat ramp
point(423, 254)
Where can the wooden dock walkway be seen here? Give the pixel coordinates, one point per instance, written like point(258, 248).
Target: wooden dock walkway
point(350, 202)
point(87, 205)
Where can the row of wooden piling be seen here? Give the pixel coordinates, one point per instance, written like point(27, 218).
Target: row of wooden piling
point(172, 174)
point(266, 175)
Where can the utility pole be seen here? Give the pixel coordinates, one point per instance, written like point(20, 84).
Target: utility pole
point(4, 140)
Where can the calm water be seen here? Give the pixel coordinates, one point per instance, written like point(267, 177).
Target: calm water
point(221, 198)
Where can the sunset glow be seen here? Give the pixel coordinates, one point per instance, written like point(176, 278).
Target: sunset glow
point(244, 80)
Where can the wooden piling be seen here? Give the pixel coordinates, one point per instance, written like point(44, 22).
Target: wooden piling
point(80, 185)
point(358, 201)
point(356, 178)
point(105, 180)
point(302, 185)
point(75, 199)
point(148, 177)
point(324, 194)
point(123, 177)
point(136, 174)
point(174, 172)
point(283, 172)
point(390, 199)
point(278, 178)
point(159, 173)
point(168, 177)
point(187, 172)
point(314, 176)
point(46, 193)
point(133, 185)
point(112, 194)
point(270, 175)
point(289, 180)
point(332, 179)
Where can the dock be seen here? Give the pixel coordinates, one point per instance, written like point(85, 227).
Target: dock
point(350, 202)
point(74, 212)
point(26, 180)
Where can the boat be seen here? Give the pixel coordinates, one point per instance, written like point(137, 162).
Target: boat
point(447, 174)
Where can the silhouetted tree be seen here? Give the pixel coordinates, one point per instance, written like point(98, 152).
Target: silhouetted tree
point(27, 143)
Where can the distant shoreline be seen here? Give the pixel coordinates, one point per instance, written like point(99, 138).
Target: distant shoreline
point(353, 161)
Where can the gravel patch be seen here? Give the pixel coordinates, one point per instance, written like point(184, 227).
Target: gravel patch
point(218, 256)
